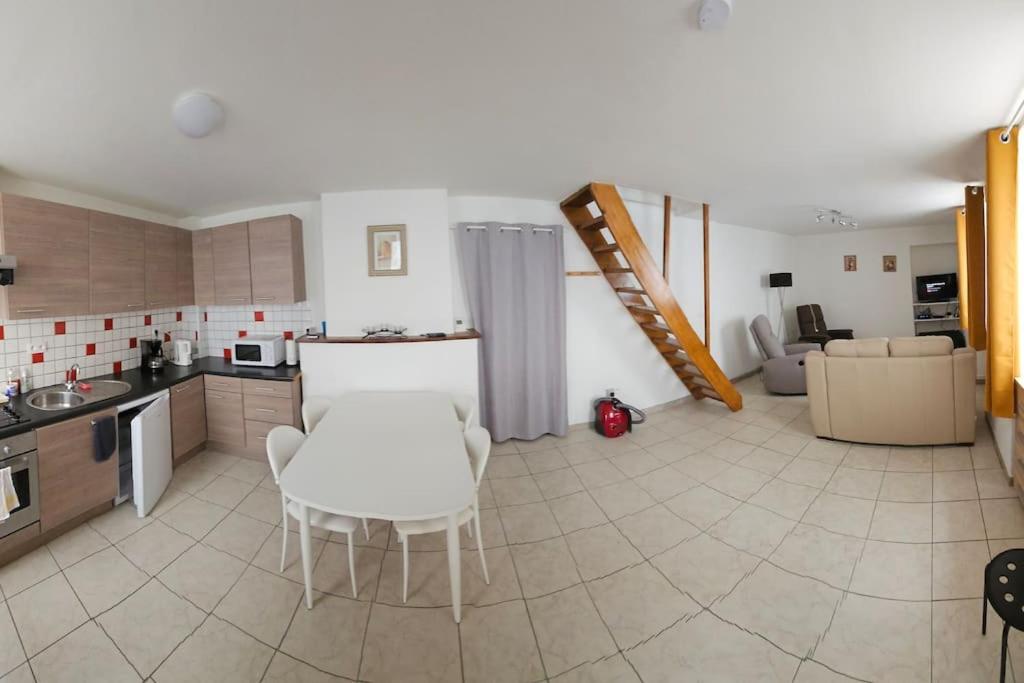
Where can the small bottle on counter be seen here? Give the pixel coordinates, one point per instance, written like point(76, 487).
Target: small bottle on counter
point(26, 381)
point(11, 388)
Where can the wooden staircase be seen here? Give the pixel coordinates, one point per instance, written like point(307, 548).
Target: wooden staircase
point(644, 292)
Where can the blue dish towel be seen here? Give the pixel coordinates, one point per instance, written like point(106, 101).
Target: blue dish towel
point(104, 438)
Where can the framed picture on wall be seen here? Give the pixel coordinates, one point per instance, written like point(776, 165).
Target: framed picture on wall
point(850, 263)
point(889, 264)
point(386, 250)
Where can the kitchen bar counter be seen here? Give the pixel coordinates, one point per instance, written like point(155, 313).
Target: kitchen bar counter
point(143, 384)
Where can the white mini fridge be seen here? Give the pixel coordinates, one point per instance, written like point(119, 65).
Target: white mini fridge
point(144, 450)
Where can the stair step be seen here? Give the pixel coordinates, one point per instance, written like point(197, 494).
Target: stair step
point(580, 197)
point(656, 329)
point(605, 248)
point(630, 290)
point(595, 223)
point(618, 270)
point(712, 394)
point(643, 309)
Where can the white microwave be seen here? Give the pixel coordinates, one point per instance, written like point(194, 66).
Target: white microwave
point(265, 350)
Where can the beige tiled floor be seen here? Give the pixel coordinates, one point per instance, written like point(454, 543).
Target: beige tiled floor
point(706, 546)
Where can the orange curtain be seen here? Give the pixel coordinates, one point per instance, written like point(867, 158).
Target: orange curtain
point(1001, 239)
point(974, 227)
point(961, 265)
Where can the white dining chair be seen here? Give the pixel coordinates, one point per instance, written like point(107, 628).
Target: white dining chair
point(465, 409)
point(282, 444)
point(478, 444)
point(313, 410)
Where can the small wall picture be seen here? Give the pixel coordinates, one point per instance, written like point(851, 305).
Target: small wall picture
point(850, 263)
point(386, 250)
point(889, 264)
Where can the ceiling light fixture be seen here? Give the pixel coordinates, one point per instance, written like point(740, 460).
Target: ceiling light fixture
point(197, 114)
point(835, 217)
point(714, 14)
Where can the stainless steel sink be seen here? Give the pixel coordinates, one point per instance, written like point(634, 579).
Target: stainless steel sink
point(59, 398)
point(55, 399)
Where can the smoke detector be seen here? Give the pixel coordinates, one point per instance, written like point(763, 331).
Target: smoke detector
point(714, 14)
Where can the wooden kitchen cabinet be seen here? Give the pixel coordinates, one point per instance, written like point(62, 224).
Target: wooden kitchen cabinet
point(71, 482)
point(188, 417)
point(232, 282)
point(161, 265)
point(202, 267)
point(186, 291)
point(277, 261)
point(51, 242)
point(117, 267)
point(225, 421)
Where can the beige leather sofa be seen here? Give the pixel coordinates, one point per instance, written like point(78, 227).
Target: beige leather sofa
point(904, 391)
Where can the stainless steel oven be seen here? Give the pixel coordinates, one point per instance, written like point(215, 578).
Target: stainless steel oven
point(19, 453)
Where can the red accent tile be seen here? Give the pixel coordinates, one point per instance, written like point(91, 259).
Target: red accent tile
point(37, 358)
point(60, 327)
point(167, 337)
point(288, 334)
point(133, 343)
point(148, 320)
point(206, 317)
point(227, 354)
point(117, 367)
point(242, 333)
point(177, 316)
point(1, 332)
point(108, 323)
point(258, 315)
point(90, 349)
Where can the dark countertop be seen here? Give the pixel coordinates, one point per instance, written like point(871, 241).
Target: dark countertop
point(143, 384)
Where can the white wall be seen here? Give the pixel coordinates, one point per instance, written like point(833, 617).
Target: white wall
point(873, 303)
point(421, 300)
point(604, 347)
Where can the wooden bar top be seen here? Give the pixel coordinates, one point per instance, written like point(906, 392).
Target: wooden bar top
point(468, 334)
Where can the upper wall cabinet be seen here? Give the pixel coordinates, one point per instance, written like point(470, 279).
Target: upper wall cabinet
point(51, 242)
point(202, 265)
point(116, 263)
point(278, 263)
point(186, 293)
point(232, 283)
point(161, 266)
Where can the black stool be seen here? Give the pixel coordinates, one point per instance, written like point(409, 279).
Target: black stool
point(1004, 590)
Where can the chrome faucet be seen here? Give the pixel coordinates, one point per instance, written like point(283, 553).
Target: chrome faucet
point(71, 377)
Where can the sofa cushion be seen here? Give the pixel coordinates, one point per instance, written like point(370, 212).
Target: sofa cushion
point(917, 347)
point(858, 348)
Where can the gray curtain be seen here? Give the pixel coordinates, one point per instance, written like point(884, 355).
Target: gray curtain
point(514, 277)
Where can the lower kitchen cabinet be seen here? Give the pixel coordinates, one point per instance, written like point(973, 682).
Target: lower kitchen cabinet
point(188, 417)
point(241, 412)
point(225, 423)
point(71, 482)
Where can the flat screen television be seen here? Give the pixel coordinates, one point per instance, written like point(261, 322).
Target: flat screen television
point(935, 288)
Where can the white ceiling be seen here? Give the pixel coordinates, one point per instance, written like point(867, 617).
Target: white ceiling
point(873, 107)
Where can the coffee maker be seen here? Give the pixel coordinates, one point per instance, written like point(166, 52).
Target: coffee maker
point(153, 353)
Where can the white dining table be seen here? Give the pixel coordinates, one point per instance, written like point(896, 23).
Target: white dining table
point(397, 456)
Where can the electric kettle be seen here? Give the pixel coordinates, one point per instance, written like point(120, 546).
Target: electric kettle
point(182, 352)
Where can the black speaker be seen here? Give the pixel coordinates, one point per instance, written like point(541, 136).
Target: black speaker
point(780, 279)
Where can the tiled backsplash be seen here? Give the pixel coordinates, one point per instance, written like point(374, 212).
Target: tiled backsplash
point(104, 344)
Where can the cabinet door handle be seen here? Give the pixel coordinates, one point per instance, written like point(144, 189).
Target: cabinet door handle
point(261, 438)
point(31, 310)
point(266, 298)
point(265, 410)
point(265, 389)
point(136, 305)
point(216, 396)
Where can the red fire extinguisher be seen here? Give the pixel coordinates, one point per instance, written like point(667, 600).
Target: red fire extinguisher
point(614, 418)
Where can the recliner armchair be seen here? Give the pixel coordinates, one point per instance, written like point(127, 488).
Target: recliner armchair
point(783, 365)
point(813, 327)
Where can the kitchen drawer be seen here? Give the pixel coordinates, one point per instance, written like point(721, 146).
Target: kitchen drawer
point(267, 387)
point(224, 420)
point(256, 435)
point(269, 409)
point(230, 384)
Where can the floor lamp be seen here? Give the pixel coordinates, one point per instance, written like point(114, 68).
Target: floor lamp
point(781, 281)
